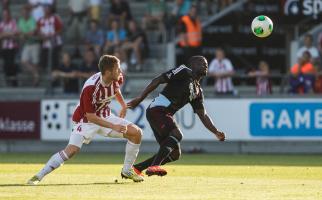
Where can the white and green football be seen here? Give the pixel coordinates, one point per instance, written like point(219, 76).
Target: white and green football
point(262, 26)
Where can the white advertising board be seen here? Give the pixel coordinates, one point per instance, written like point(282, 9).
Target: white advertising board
point(240, 119)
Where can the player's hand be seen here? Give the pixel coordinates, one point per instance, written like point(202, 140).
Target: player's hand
point(122, 113)
point(220, 135)
point(120, 128)
point(134, 102)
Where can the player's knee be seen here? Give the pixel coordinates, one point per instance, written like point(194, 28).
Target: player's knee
point(139, 133)
point(71, 150)
point(176, 133)
point(175, 154)
point(134, 134)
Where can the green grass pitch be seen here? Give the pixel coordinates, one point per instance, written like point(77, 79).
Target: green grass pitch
point(199, 177)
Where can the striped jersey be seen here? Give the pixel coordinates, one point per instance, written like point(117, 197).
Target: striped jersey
point(95, 98)
point(8, 27)
point(263, 86)
point(225, 84)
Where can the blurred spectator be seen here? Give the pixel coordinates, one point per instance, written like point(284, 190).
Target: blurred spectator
point(30, 51)
point(95, 37)
point(224, 3)
point(222, 70)
point(308, 41)
point(302, 75)
point(263, 85)
point(318, 78)
point(120, 10)
point(136, 46)
point(95, 10)
point(67, 72)
point(38, 10)
point(114, 37)
point(77, 23)
point(5, 4)
point(89, 65)
point(320, 46)
point(190, 33)
point(49, 29)
point(155, 16)
point(8, 37)
point(181, 8)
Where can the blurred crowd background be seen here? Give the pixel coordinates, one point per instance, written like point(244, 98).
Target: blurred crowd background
point(49, 47)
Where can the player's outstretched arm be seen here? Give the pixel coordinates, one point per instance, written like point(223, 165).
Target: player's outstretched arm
point(207, 122)
point(119, 98)
point(153, 84)
point(99, 121)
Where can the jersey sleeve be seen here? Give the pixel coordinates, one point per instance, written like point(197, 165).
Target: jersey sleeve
point(87, 100)
point(197, 104)
point(178, 73)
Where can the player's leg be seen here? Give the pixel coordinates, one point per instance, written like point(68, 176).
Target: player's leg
point(58, 159)
point(163, 125)
point(174, 155)
point(133, 136)
point(171, 143)
point(139, 167)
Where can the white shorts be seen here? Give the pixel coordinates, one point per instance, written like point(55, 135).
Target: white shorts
point(84, 132)
point(30, 53)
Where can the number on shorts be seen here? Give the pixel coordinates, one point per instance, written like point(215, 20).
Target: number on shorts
point(79, 128)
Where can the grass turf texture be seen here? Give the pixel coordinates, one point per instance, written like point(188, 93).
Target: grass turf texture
point(201, 176)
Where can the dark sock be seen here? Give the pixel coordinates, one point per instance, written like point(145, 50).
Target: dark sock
point(165, 149)
point(148, 162)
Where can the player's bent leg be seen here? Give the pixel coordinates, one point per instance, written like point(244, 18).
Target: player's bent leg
point(58, 159)
point(134, 136)
point(171, 143)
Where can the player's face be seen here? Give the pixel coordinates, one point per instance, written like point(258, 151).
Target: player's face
point(201, 69)
point(116, 72)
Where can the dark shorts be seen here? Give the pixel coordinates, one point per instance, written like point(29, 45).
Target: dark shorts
point(161, 121)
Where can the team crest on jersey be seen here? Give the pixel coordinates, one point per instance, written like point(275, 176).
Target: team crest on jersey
point(103, 102)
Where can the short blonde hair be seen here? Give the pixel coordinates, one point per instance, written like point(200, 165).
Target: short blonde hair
point(107, 62)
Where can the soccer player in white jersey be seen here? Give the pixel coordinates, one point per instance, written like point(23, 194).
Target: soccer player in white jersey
point(93, 116)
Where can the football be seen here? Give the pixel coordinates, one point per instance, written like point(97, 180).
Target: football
point(262, 26)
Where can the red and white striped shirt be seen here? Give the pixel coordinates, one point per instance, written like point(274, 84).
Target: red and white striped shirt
point(95, 98)
point(50, 27)
point(222, 84)
point(8, 27)
point(263, 86)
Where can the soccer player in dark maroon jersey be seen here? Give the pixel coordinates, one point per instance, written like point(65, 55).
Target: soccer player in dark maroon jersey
point(182, 87)
point(93, 116)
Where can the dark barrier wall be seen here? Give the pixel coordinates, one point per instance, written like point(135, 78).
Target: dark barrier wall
point(19, 120)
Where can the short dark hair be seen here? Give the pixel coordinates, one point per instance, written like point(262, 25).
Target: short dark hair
point(195, 61)
point(107, 62)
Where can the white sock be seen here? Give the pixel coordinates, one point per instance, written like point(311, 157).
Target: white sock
point(131, 152)
point(53, 163)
